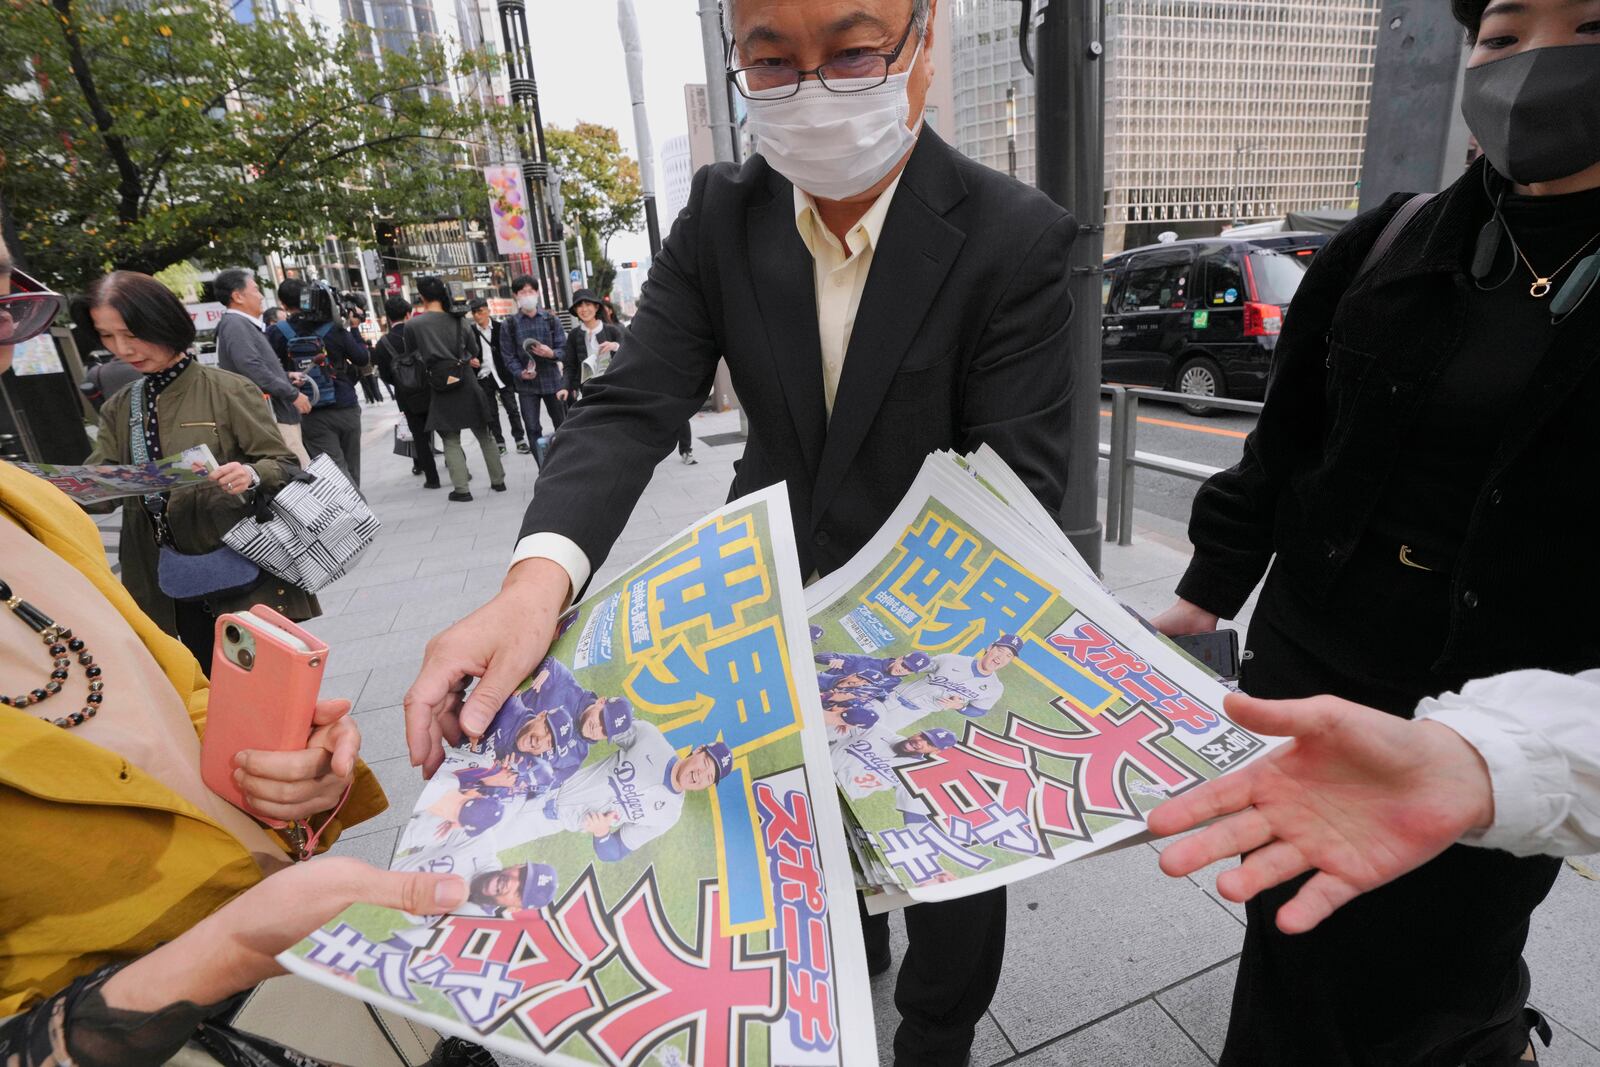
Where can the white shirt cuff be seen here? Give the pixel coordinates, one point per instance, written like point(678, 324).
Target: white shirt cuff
point(562, 551)
point(1512, 774)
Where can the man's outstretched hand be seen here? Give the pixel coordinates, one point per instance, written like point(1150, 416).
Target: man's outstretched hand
point(499, 644)
point(1359, 796)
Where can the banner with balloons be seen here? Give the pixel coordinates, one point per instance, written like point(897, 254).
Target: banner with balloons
point(508, 208)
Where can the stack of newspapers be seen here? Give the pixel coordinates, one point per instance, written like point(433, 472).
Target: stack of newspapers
point(991, 710)
point(666, 826)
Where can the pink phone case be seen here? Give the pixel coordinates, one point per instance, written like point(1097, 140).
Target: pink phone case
point(268, 708)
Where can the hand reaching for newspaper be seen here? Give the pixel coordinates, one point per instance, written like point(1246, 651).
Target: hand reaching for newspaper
point(233, 949)
point(499, 644)
point(1184, 618)
point(1359, 796)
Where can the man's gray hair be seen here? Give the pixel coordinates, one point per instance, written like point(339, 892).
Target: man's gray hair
point(920, 9)
point(230, 281)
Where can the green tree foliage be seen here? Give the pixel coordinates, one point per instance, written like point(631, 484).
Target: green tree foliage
point(601, 187)
point(142, 135)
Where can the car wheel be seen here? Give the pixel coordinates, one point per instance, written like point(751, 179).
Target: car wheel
point(1199, 376)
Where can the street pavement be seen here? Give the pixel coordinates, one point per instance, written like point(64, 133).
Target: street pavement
point(1108, 962)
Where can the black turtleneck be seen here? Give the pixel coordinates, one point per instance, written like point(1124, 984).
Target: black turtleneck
point(1505, 332)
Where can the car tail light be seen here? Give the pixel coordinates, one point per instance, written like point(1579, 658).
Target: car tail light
point(1262, 320)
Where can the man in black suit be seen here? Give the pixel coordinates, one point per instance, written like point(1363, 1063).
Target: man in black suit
point(877, 297)
point(494, 376)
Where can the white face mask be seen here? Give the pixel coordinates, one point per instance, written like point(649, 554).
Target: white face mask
point(530, 304)
point(837, 145)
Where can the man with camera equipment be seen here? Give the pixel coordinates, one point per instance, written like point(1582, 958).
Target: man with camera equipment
point(531, 342)
point(314, 342)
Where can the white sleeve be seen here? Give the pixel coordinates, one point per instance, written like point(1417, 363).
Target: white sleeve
point(562, 551)
point(1539, 734)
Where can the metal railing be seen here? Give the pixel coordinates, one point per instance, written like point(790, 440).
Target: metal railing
point(1124, 455)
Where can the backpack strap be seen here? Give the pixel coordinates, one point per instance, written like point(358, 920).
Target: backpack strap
point(283, 327)
point(1391, 233)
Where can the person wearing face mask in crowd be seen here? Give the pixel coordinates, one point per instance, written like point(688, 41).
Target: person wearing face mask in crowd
point(877, 297)
point(1432, 394)
point(532, 343)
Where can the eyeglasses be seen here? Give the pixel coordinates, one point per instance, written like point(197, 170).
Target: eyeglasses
point(847, 74)
point(27, 311)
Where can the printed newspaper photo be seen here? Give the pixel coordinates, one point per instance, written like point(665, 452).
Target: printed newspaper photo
point(100, 483)
point(651, 835)
point(992, 712)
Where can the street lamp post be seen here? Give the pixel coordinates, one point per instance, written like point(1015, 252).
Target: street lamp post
point(1011, 129)
point(724, 137)
point(633, 49)
point(530, 141)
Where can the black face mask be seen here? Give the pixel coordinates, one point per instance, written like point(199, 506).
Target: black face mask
point(1537, 114)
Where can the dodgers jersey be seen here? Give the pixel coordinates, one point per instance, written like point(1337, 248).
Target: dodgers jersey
point(952, 675)
point(864, 762)
point(634, 783)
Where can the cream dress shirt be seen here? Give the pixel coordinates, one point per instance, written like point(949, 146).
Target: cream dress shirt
point(839, 275)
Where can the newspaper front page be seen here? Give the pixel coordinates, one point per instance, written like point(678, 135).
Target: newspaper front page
point(992, 711)
point(651, 833)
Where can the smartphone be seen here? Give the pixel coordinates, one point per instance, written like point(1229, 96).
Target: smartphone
point(1218, 650)
point(266, 673)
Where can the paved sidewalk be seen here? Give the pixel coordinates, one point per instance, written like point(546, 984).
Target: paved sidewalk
point(1109, 963)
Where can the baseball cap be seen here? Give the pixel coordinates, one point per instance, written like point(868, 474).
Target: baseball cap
point(477, 303)
point(916, 661)
point(538, 885)
point(874, 678)
point(1011, 641)
point(618, 716)
point(859, 715)
point(722, 755)
point(563, 728)
point(816, 634)
point(479, 814)
point(940, 738)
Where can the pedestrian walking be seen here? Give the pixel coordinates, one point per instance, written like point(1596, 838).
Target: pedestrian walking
point(591, 344)
point(409, 383)
point(851, 204)
point(1408, 493)
point(314, 342)
point(243, 348)
point(458, 403)
point(369, 373)
point(495, 378)
point(179, 404)
point(532, 343)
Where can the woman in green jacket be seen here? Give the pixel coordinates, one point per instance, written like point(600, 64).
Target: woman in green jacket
point(185, 404)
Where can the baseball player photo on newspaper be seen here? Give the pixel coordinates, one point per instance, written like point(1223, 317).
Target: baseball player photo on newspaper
point(991, 710)
point(650, 833)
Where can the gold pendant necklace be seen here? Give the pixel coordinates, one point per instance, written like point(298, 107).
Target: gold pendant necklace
point(1543, 285)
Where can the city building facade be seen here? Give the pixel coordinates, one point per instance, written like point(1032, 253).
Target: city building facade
point(1217, 111)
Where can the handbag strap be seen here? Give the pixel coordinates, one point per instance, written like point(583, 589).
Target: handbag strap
point(1391, 233)
point(155, 504)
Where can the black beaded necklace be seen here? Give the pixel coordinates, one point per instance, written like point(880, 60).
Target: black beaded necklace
point(63, 646)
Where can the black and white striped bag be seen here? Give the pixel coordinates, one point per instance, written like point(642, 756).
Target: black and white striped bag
point(315, 532)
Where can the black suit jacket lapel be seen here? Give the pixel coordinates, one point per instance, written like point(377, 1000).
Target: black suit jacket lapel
point(785, 286)
point(914, 255)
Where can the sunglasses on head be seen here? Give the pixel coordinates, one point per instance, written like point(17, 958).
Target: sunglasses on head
point(28, 310)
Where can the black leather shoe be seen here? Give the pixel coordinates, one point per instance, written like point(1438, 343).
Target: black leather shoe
point(432, 485)
point(461, 498)
point(499, 488)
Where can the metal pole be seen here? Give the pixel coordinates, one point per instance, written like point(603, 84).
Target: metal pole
point(1130, 449)
point(1070, 97)
point(724, 138)
point(1117, 469)
point(633, 50)
point(535, 157)
point(1011, 130)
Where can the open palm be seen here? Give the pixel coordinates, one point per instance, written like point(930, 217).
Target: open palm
point(1359, 796)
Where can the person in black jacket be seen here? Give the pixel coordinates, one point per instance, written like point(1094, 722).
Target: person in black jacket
point(1412, 472)
point(591, 344)
point(494, 377)
point(961, 275)
point(444, 341)
point(413, 403)
point(333, 427)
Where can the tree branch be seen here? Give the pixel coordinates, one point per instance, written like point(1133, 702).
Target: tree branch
point(129, 186)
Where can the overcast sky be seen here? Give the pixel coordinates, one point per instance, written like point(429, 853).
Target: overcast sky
point(577, 58)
